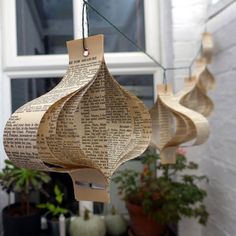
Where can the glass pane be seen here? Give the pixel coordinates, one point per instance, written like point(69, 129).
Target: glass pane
point(43, 26)
point(140, 85)
point(24, 90)
point(128, 16)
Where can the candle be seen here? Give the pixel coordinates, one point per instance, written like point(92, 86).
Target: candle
point(62, 225)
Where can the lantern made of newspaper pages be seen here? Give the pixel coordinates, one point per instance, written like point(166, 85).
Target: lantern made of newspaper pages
point(174, 124)
point(197, 98)
point(86, 126)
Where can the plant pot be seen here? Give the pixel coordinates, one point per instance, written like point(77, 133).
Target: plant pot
point(53, 226)
point(20, 225)
point(142, 224)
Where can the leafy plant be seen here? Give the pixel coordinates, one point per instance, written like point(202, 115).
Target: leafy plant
point(55, 209)
point(22, 181)
point(169, 197)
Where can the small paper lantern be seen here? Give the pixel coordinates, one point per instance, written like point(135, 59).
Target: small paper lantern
point(86, 126)
point(174, 124)
point(202, 81)
point(207, 47)
point(196, 98)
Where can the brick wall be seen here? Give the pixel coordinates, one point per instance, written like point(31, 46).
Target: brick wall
point(188, 24)
point(220, 160)
point(217, 157)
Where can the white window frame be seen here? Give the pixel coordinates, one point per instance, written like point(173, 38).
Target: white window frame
point(38, 66)
point(117, 62)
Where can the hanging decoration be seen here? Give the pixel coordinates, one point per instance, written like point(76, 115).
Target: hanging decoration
point(180, 119)
point(86, 126)
point(197, 98)
point(174, 124)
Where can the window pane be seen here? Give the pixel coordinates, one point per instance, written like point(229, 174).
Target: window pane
point(24, 90)
point(127, 15)
point(43, 26)
point(140, 85)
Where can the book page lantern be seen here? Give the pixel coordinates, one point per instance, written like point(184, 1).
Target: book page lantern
point(197, 98)
point(86, 126)
point(173, 124)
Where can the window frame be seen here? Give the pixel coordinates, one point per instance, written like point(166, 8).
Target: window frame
point(38, 66)
point(117, 60)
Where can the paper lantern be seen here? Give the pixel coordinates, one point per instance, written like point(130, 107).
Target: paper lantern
point(174, 124)
point(207, 47)
point(86, 126)
point(196, 98)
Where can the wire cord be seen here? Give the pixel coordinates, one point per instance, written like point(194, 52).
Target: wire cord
point(133, 42)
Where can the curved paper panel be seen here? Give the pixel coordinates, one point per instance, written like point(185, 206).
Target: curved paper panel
point(195, 96)
point(205, 79)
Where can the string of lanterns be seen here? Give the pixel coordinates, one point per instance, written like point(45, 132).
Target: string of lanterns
point(88, 125)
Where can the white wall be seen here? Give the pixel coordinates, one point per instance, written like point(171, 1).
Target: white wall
point(220, 160)
point(216, 157)
point(189, 18)
point(188, 24)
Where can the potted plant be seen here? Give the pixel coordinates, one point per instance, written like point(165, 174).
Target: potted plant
point(21, 218)
point(154, 202)
point(54, 209)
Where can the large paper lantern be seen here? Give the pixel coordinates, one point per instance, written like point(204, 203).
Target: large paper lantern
point(86, 126)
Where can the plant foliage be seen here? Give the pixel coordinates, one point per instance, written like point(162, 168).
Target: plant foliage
point(22, 181)
point(169, 197)
point(55, 207)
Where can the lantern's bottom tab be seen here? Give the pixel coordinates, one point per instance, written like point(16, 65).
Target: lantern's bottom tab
point(90, 185)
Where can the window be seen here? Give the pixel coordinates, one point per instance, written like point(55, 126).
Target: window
point(127, 16)
point(34, 53)
point(43, 26)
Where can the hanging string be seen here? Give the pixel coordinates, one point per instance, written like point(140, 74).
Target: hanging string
point(137, 46)
point(87, 19)
point(123, 34)
point(164, 77)
point(85, 9)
